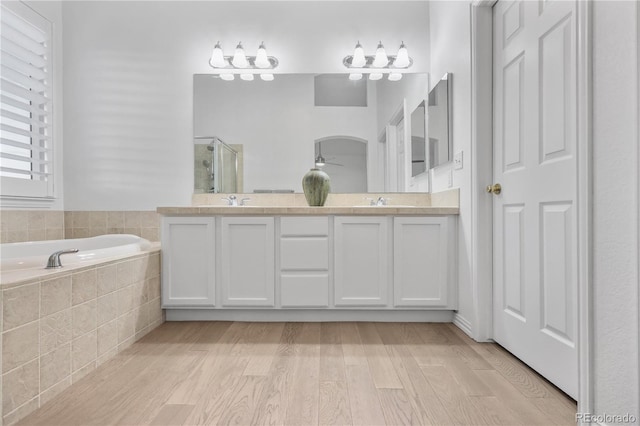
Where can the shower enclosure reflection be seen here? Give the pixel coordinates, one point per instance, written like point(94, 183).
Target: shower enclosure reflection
point(217, 165)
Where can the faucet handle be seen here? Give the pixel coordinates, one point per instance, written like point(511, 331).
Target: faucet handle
point(243, 201)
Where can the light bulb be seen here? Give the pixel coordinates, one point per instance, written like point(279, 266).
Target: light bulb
point(217, 57)
point(246, 77)
point(358, 60)
point(227, 77)
point(266, 77)
point(395, 76)
point(239, 58)
point(402, 60)
point(355, 76)
point(375, 76)
point(262, 60)
point(381, 60)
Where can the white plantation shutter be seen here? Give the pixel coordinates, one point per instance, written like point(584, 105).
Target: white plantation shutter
point(26, 145)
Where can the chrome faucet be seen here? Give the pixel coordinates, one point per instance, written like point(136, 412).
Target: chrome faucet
point(54, 259)
point(381, 201)
point(233, 201)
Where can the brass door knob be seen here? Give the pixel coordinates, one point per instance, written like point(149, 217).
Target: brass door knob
point(494, 189)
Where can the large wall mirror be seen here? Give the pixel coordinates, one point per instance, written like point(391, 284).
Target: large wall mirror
point(440, 147)
point(277, 130)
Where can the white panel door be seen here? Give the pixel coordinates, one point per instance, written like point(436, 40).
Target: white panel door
point(421, 261)
point(188, 261)
point(247, 261)
point(535, 229)
point(361, 261)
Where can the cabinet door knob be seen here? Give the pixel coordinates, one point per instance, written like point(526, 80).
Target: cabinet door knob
point(494, 189)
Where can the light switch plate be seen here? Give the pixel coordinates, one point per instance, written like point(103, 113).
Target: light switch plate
point(457, 160)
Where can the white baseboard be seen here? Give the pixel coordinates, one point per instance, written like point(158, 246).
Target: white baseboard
point(463, 324)
point(306, 315)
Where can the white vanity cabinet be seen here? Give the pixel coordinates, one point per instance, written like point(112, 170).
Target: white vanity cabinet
point(304, 261)
point(309, 267)
point(422, 261)
point(361, 264)
point(247, 261)
point(188, 261)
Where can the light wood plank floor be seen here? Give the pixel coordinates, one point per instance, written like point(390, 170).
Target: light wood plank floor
point(238, 373)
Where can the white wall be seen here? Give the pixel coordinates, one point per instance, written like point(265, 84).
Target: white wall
point(615, 211)
point(128, 80)
point(450, 39)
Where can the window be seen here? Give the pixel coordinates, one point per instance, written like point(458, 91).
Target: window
point(26, 143)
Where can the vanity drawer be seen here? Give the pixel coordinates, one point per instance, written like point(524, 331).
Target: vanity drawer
point(293, 226)
point(304, 290)
point(304, 253)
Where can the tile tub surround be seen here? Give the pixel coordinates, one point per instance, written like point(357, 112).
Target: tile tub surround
point(60, 327)
point(31, 225)
point(39, 225)
point(83, 224)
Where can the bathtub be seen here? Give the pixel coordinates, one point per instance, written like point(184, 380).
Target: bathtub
point(34, 254)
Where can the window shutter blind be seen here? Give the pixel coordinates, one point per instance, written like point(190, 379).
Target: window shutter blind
point(25, 102)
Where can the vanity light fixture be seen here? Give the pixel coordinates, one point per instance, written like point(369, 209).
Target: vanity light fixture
point(378, 64)
point(242, 64)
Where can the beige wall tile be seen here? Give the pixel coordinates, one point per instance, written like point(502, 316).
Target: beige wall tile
point(84, 318)
point(132, 219)
point(126, 327)
point(149, 219)
point(107, 337)
point(107, 308)
point(153, 267)
point(125, 300)
point(55, 330)
point(140, 294)
point(55, 366)
point(115, 219)
point(18, 236)
point(80, 219)
point(53, 391)
point(115, 230)
point(37, 234)
point(55, 295)
point(84, 286)
point(98, 219)
point(107, 279)
point(125, 273)
point(139, 269)
point(81, 233)
point(141, 319)
point(151, 234)
point(54, 220)
point(19, 386)
point(84, 350)
point(13, 417)
point(54, 234)
point(155, 311)
point(153, 288)
point(35, 219)
point(20, 346)
point(132, 231)
point(126, 344)
point(20, 305)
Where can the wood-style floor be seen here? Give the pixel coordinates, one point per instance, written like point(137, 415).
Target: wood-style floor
point(309, 374)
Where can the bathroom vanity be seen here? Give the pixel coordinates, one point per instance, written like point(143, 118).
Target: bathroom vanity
point(309, 263)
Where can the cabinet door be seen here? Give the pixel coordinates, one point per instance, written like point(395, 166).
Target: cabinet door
point(361, 261)
point(188, 261)
point(421, 261)
point(248, 261)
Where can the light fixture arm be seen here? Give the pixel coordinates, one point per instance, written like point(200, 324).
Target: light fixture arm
point(369, 64)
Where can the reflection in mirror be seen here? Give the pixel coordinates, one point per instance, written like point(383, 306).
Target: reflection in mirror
point(217, 165)
point(440, 137)
point(283, 125)
point(418, 144)
point(345, 160)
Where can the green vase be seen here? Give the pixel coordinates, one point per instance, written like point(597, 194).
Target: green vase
point(316, 185)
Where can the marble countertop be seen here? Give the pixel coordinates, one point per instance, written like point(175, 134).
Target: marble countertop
point(293, 210)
